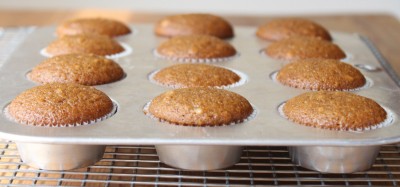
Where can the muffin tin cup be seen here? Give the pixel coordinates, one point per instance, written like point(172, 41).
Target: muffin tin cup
point(199, 157)
point(59, 156)
point(334, 159)
point(62, 156)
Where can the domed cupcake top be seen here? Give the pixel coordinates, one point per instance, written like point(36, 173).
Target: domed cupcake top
point(188, 24)
point(334, 110)
point(59, 104)
point(200, 106)
point(101, 26)
point(304, 47)
point(87, 43)
point(321, 74)
point(195, 75)
point(86, 69)
point(195, 47)
point(279, 29)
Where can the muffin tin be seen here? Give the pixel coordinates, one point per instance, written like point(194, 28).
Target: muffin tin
point(47, 147)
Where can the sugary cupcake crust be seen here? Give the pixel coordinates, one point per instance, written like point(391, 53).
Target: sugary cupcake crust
point(88, 44)
point(200, 107)
point(320, 74)
point(284, 28)
point(188, 24)
point(334, 110)
point(85, 69)
point(297, 47)
point(195, 75)
point(100, 26)
point(195, 47)
point(59, 104)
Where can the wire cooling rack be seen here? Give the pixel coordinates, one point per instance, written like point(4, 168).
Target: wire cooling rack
point(139, 165)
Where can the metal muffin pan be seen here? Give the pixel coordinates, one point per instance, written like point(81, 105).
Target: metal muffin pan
point(334, 159)
point(59, 156)
point(131, 126)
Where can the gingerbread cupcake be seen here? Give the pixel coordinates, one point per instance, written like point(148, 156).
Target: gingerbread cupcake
point(335, 110)
point(298, 47)
point(195, 48)
point(85, 69)
point(321, 74)
point(188, 24)
point(99, 26)
point(195, 75)
point(200, 106)
point(87, 43)
point(60, 104)
point(280, 29)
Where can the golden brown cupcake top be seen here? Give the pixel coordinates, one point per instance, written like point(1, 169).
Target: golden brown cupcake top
point(320, 74)
point(195, 47)
point(334, 110)
point(287, 27)
point(304, 47)
point(86, 69)
point(99, 26)
point(195, 75)
point(200, 106)
point(88, 43)
point(188, 24)
point(59, 104)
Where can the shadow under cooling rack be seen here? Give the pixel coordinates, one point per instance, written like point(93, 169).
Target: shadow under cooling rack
point(139, 166)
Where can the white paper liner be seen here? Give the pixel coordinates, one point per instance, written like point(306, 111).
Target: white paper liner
point(348, 58)
point(262, 53)
point(127, 50)
point(243, 79)
point(250, 117)
point(193, 60)
point(388, 121)
point(368, 84)
point(367, 67)
point(113, 111)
